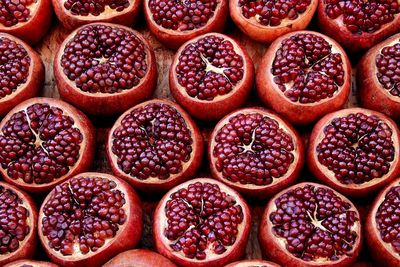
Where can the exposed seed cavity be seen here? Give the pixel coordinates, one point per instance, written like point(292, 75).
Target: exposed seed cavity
point(13, 12)
point(94, 8)
point(388, 68)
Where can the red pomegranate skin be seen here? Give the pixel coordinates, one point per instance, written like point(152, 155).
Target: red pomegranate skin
point(30, 263)
point(141, 258)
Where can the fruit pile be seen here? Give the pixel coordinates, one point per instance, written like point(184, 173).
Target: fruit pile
point(200, 133)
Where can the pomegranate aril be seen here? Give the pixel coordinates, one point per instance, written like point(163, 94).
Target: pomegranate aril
point(86, 8)
point(388, 68)
point(13, 12)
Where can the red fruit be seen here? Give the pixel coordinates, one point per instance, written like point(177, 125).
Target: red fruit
point(303, 76)
point(30, 263)
point(264, 21)
point(359, 24)
point(382, 226)
point(21, 73)
point(201, 222)
point(25, 19)
point(176, 22)
point(378, 77)
point(155, 146)
point(18, 218)
point(89, 219)
point(252, 263)
point(211, 75)
point(255, 152)
point(75, 13)
point(140, 258)
point(44, 141)
point(310, 224)
point(354, 151)
point(104, 69)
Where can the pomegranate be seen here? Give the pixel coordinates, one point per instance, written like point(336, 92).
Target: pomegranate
point(266, 20)
point(354, 151)
point(211, 75)
point(18, 219)
point(201, 222)
point(176, 22)
point(21, 72)
point(104, 69)
point(303, 76)
point(382, 226)
point(75, 13)
point(140, 258)
point(378, 77)
point(89, 219)
point(252, 263)
point(359, 24)
point(255, 152)
point(155, 146)
point(44, 141)
point(310, 224)
point(30, 263)
point(25, 19)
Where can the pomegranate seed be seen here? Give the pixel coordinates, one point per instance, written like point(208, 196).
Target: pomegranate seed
point(87, 7)
point(13, 12)
point(388, 68)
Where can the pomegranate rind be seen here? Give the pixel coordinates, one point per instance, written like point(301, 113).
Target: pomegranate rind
point(103, 103)
point(222, 104)
point(252, 263)
point(141, 258)
point(276, 250)
point(326, 176)
point(295, 112)
point(87, 147)
point(153, 184)
point(127, 236)
point(233, 253)
point(264, 191)
point(30, 263)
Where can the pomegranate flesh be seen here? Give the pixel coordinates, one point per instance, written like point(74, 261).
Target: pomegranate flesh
point(141, 258)
point(30, 263)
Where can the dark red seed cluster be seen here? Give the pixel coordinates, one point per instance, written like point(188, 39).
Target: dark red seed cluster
point(388, 68)
point(94, 8)
point(363, 16)
point(357, 148)
point(152, 141)
point(315, 223)
point(253, 149)
point(13, 220)
point(14, 66)
point(182, 15)
point(202, 217)
point(85, 211)
point(209, 67)
point(39, 144)
point(104, 59)
point(306, 69)
point(271, 12)
point(388, 218)
point(13, 12)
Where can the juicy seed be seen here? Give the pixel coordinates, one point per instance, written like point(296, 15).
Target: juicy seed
point(13, 12)
point(388, 66)
point(94, 8)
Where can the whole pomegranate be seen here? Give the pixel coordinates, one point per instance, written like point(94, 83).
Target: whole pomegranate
point(30, 263)
point(140, 258)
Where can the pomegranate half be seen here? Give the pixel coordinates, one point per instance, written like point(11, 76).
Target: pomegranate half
point(303, 76)
point(211, 75)
point(30, 263)
point(104, 69)
point(310, 224)
point(139, 258)
point(44, 141)
point(252, 263)
point(255, 152)
point(89, 219)
point(355, 151)
point(155, 146)
point(201, 222)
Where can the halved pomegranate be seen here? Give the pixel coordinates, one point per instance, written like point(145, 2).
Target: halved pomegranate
point(175, 22)
point(139, 258)
point(252, 263)
point(310, 224)
point(355, 151)
point(30, 263)
point(25, 19)
point(266, 20)
point(303, 76)
point(255, 152)
point(359, 24)
point(44, 141)
point(155, 146)
point(18, 219)
point(201, 222)
point(211, 75)
point(104, 69)
point(383, 226)
point(21, 72)
point(75, 13)
point(378, 77)
point(89, 219)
